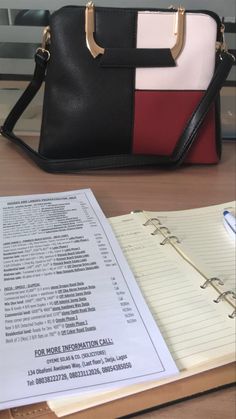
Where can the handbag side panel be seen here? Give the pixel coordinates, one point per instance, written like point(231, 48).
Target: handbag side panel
point(165, 98)
point(88, 110)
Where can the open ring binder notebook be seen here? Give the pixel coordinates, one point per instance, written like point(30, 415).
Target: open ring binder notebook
point(184, 263)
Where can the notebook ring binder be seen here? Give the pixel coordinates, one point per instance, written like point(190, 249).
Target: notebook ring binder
point(150, 221)
point(223, 295)
point(210, 280)
point(233, 314)
point(158, 223)
point(159, 229)
point(169, 239)
point(165, 228)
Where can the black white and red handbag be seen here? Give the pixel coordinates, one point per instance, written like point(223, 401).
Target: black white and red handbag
point(127, 87)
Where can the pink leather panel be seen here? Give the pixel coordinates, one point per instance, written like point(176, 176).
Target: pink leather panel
point(195, 65)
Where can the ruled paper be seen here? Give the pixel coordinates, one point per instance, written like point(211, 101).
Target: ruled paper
point(196, 329)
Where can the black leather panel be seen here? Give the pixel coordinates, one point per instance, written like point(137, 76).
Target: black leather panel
point(140, 57)
point(88, 110)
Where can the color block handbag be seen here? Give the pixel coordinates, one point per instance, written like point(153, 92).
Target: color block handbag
point(127, 87)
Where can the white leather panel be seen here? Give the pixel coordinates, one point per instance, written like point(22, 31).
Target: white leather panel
point(195, 64)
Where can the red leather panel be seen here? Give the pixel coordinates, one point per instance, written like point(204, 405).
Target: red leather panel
point(160, 118)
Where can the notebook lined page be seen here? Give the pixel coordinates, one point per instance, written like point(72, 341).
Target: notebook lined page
point(205, 240)
point(195, 329)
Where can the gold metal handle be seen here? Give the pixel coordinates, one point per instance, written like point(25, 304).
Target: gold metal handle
point(96, 50)
point(93, 47)
point(179, 32)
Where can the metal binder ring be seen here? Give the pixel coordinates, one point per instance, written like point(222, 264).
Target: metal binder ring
point(233, 314)
point(158, 229)
point(223, 295)
point(150, 220)
point(165, 228)
point(168, 239)
point(210, 280)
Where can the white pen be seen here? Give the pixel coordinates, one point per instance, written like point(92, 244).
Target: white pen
point(229, 222)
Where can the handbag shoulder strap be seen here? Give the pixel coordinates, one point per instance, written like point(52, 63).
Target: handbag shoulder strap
point(223, 66)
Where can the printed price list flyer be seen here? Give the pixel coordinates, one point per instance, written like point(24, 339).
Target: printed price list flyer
point(72, 318)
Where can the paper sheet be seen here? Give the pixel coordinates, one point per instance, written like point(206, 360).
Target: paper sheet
point(72, 317)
